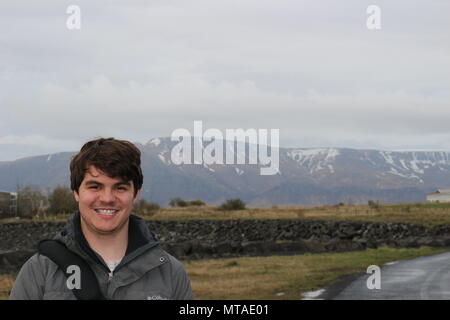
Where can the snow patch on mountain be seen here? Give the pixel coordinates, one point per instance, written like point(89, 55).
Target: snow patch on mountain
point(411, 164)
point(156, 142)
point(314, 159)
point(161, 157)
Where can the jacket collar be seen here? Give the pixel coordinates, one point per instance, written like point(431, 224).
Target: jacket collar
point(140, 239)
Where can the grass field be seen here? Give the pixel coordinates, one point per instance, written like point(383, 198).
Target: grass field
point(274, 277)
point(6, 283)
point(427, 214)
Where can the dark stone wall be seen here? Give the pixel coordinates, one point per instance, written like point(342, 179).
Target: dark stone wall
point(196, 239)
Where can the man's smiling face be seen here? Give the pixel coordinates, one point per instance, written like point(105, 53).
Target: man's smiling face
point(105, 203)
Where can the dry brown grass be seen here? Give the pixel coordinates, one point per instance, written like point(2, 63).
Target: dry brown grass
point(209, 212)
point(426, 214)
point(6, 283)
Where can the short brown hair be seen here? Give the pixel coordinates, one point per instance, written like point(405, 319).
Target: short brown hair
point(116, 158)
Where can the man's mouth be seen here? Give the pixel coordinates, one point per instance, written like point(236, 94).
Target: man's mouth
point(108, 212)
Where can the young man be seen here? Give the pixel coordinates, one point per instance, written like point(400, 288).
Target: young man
point(124, 255)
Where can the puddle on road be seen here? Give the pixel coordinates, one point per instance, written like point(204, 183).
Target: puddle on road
point(312, 295)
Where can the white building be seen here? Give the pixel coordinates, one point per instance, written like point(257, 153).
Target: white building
point(441, 195)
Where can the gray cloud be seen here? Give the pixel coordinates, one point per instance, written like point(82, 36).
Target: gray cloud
point(141, 69)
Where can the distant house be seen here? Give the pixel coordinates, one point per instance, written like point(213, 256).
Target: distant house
point(441, 195)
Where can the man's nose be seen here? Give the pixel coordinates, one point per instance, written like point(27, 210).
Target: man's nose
point(107, 195)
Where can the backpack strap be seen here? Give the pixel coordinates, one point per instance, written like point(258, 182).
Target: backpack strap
point(63, 257)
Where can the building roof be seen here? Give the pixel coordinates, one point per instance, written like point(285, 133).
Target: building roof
point(440, 191)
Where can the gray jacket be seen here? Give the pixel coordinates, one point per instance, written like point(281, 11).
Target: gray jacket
point(145, 272)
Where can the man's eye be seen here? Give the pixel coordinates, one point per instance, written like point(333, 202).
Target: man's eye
point(122, 188)
point(93, 187)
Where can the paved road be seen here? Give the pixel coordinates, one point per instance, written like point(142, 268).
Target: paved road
point(425, 278)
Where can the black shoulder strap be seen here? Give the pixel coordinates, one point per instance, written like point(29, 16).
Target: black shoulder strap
point(63, 257)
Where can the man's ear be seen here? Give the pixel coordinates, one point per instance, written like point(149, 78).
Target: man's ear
point(138, 194)
point(75, 194)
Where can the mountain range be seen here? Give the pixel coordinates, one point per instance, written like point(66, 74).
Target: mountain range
point(306, 176)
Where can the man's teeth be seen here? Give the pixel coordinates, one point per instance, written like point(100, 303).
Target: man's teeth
point(111, 212)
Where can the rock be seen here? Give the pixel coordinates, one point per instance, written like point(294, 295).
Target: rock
point(215, 238)
point(312, 245)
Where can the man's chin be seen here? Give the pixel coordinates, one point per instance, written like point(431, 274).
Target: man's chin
point(105, 226)
point(106, 230)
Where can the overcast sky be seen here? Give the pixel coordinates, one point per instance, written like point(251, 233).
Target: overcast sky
point(138, 70)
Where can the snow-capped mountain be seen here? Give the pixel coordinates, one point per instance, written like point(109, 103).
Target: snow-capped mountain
point(306, 176)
